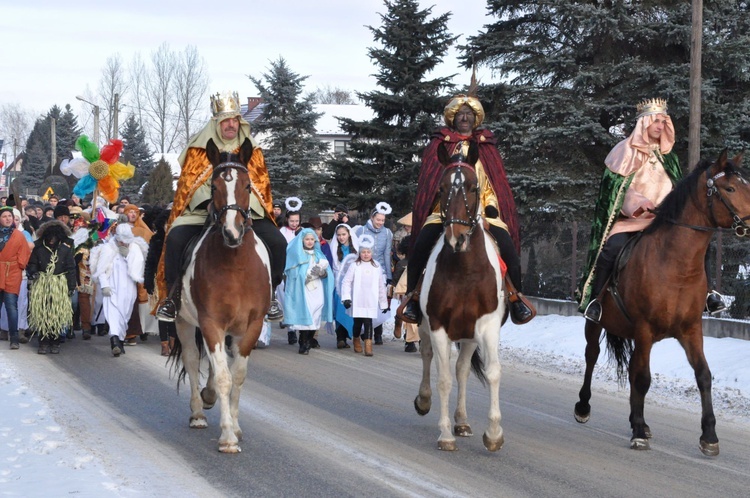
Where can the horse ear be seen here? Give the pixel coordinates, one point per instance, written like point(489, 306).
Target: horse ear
point(722, 161)
point(246, 151)
point(212, 152)
point(473, 153)
point(737, 160)
point(443, 156)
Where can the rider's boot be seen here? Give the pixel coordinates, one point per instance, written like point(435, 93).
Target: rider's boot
point(275, 313)
point(715, 303)
point(593, 311)
point(521, 309)
point(168, 309)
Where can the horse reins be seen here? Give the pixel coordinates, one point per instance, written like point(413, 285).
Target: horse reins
point(458, 183)
point(218, 170)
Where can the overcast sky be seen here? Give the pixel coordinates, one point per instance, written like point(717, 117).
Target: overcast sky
point(52, 50)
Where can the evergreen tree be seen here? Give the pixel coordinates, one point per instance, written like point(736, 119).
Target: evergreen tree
point(159, 188)
point(294, 156)
point(575, 72)
point(382, 163)
point(67, 132)
point(136, 152)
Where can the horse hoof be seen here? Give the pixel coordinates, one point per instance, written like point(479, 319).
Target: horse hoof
point(420, 411)
point(230, 448)
point(208, 403)
point(462, 430)
point(493, 445)
point(582, 419)
point(639, 443)
point(710, 449)
point(447, 445)
point(198, 422)
point(582, 413)
point(648, 432)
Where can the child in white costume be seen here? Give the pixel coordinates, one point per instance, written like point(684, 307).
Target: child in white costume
point(363, 292)
point(116, 266)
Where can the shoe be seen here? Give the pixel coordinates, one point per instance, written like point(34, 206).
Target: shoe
point(101, 330)
point(593, 311)
point(715, 303)
point(167, 311)
point(70, 335)
point(23, 338)
point(304, 342)
point(412, 313)
point(314, 343)
point(368, 347)
point(291, 337)
point(357, 344)
point(520, 313)
point(340, 344)
point(275, 313)
point(378, 341)
point(410, 347)
point(43, 347)
point(116, 345)
point(165, 348)
point(54, 348)
point(144, 337)
point(130, 341)
point(3, 335)
point(397, 332)
point(14, 345)
point(86, 335)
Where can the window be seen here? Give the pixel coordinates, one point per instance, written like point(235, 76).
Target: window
point(340, 146)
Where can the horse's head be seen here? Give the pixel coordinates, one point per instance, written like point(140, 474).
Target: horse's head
point(725, 181)
point(459, 197)
point(230, 191)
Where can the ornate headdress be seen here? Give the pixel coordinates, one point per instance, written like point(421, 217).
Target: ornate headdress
point(470, 99)
point(225, 105)
point(652, 106)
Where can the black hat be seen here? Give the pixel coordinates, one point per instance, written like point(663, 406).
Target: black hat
point(277, 204)
point(341, 208)
point(61, 210)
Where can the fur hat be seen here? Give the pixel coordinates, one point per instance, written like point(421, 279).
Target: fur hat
point(61, 210)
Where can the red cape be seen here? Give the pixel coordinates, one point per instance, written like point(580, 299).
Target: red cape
point(431, 172)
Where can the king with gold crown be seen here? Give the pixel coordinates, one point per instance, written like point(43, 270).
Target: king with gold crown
point(228, 130)
point(640, 171)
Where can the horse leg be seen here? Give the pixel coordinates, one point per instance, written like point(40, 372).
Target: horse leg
point(423, 401)
point(208, 393)
point(217, 355)
point(242, 350)
point(582, 410)
point(191, 362)
point(446, 441)
point(640, 382)
point(692, 343)
point(493, 437)
point(461, 427)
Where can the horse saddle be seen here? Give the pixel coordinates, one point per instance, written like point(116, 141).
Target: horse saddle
point(622, 260)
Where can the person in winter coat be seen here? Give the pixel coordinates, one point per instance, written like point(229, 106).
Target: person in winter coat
point(52, 276)
point(309, 287)
point(117, 265)
point(363, 291)
point(167, 330)
point(342, 245)
point(14, 255)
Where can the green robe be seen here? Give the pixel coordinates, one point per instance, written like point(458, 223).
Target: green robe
point(611, 197)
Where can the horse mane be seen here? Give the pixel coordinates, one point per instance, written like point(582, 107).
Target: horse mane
point(674, 203)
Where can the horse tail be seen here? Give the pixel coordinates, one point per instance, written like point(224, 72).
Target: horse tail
point(175, 357)
point(620, 351)
point(477, 366)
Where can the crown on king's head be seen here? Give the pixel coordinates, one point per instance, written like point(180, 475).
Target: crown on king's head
point(225, 104)
point(652, 106)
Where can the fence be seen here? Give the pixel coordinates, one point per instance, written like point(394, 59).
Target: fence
point(553, 256)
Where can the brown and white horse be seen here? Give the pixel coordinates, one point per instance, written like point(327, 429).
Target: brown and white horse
point(462, 301)
point(226, 291)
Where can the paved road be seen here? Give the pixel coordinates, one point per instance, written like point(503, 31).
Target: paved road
point(338, 424)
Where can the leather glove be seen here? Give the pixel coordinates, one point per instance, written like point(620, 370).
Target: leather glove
point(386, 310)
point(347, 303)
point(106, 291)
point(491, 212)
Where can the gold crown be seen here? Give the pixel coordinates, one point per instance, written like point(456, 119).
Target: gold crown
point(653, 106)
point(226, 104)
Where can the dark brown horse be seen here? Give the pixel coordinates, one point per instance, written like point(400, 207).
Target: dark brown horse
point(462, 301)
point(227, 292)
point(663, 289)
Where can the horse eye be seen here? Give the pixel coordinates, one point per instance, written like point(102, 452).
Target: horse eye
point(730, 189)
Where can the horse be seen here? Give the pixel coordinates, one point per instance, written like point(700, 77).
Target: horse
point(462, 300)
point(227, 291)
point(663, 291)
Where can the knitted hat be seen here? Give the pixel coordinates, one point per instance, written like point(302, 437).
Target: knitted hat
point(341, 208)
point(61, 210)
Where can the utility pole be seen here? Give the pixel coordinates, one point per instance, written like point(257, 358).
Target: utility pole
point(696, 44)
point(96, 118)
point(115, 113)
point(53, 141)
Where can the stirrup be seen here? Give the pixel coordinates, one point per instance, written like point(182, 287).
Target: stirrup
point(413, 314)
point(593, 311)
point(715, 303)
point(167, 311)
point(275, 313)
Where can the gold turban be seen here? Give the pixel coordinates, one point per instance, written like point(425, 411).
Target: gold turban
point(455, 104)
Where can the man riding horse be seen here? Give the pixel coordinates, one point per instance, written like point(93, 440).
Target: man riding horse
point(463, 115)
point(190, 207)
point(641, 171)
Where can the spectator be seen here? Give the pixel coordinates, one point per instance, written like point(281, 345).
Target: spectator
point(14, 256)
point(340, 215)
point(342, 245)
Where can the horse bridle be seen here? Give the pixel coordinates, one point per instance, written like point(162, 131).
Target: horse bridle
point(459, 184)
point(218, 170)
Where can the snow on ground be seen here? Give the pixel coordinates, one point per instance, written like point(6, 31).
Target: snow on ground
point(38, 454)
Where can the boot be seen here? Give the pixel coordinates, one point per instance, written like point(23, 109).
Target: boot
point(313, 342)
point(397, 328)
point(521, 309)
point(101, 330)
point(304, 345)
point(117, 348)
point(593, 311)
point(357, 344)
point(275, 313)
point(43, 346)
point(410, 312)
point(86, 335)
point(168, 309)
point(24, 336)
point(715, 303)
point(292, 337)
point(378, 338)
point(368, 347)
point(164, 348)
point(341, 336)
point(55, 347)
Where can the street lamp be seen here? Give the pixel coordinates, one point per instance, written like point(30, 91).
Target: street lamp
point(96, 118)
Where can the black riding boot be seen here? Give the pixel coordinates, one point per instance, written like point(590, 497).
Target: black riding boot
point(116, 345)
point(304, 341)
point(341, 336)
point(418, 257)
point(520, 312)
point(168, 309)
point(604, 266)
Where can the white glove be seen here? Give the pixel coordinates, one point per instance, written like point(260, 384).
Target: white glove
point(106, 291)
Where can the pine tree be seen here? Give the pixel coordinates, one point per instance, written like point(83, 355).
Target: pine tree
point(136, 152)
point(570, 91)
point(383, 161)
point(159, 188)
point(67, 132)
point(294, 156)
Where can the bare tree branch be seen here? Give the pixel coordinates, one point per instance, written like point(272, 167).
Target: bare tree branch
point(191, 85)
point(159, 98)
point(15, 126)
point(114, 81)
